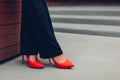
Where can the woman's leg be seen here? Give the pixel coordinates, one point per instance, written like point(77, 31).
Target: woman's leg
point(28, 33)
point(47, 43)
point(29, 45)
point(37, 34)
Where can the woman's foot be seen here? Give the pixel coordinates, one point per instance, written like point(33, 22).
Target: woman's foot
point(33, 62)
point(33, 58)
point(62, 62)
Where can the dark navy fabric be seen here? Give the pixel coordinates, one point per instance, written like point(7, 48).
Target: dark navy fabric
point(37, 33)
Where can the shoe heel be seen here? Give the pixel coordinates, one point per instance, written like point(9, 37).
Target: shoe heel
point(50, 61)
point(22, 59)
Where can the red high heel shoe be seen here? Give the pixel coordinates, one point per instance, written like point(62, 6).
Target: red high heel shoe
point(32, 64)
point(64, 65)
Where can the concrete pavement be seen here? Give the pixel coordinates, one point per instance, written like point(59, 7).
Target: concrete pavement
point(95, 58)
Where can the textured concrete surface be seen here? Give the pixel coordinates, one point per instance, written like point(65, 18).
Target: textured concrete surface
point(95, 58)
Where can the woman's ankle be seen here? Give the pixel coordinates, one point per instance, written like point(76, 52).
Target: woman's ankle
point(33, 58)
point(61, 58)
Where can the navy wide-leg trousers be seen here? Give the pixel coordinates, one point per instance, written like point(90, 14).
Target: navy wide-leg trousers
point(37, 35)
